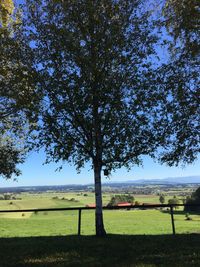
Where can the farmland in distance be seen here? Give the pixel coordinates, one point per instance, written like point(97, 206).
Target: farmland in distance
point(60, 223)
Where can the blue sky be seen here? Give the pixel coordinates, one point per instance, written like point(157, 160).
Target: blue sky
point(35, 173)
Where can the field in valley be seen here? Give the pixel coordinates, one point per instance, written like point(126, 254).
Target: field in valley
point(149, 222)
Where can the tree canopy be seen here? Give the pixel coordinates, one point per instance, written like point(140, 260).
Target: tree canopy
point(182, 21)
point(179, 77)
point(16, 91)
point(105, 100)
point(94, 65)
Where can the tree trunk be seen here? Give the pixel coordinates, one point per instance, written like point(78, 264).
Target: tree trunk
point(100, 231)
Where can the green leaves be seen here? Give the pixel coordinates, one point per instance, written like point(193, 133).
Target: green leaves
point(10, 156)
point(182, 22)
point(18, 98)
point(95, 69)
point(6, 11)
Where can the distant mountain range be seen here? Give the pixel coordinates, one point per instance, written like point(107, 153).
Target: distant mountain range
point(168, 180)
point(77, 187)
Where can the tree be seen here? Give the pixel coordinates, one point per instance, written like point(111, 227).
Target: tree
point(95, 70)
point(174, 201)
point(16, 91)
point(194, 199)
point(162, 199)
point(104, 99)
point(179, 78)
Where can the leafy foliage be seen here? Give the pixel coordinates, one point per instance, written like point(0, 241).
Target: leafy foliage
point(16, 93)
point(162, 199)
point(195, 199)
point(182, 21)
point(95, 70)
point(179, 78)
point(104, 100)
point(6, 11)
point(97, 76)
point(173, 201)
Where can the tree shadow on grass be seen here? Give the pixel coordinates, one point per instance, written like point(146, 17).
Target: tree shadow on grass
point(113, 250)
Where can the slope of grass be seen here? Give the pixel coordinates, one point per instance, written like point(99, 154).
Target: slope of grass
point(149, 222)
point(65, 222)
point(114, 250)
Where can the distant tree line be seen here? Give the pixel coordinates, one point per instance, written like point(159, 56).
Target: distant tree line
point(9, 197)
point(63, 198)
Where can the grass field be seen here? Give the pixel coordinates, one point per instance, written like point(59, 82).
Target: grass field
point(149, 222)
point(89, 251)
point(136, 238)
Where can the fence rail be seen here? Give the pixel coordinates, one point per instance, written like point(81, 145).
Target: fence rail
point(79, 209)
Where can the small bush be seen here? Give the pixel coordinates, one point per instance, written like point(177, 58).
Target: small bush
point(137, 203)
point(187, 217)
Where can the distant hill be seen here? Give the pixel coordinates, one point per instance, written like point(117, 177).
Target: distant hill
point(80, 187)
point(169, 180)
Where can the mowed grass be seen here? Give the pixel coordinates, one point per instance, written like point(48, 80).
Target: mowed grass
point(89, 251)
point(136, 238)
point(148, 222)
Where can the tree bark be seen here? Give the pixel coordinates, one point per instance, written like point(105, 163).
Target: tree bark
point(100, 231)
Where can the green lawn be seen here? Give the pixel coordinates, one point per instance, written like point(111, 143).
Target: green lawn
point(114, 250)
point(149, 222)
point(136, 238)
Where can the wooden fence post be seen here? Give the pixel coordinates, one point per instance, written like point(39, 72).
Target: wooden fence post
point(172, 219)
point(79, 222)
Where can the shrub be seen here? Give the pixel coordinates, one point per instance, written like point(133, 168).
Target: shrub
point(137, 203)
point(173, 201)
point(55, 197)
point(162, 199)
point(7, 196)
point(187, 217)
